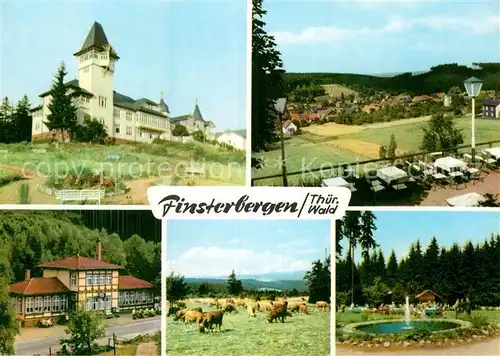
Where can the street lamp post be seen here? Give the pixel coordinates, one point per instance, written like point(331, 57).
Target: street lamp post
point(280, 107)
point(473, 86)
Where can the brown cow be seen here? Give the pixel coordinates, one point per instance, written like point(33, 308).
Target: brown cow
point(210, 319)
point(303, 308)
point(196, 309)
point(251, 310)
point(229, 308)
point(192, 316)
point(322, 305)
point(294, 307)
point(180, 314)
point(279, 312)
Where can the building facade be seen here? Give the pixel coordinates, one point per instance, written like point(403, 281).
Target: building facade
point(491, 108)
point(77, 281)
point(236, 139)
point(93, 94)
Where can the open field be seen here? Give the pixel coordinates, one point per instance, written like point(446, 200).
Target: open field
point(138, 167)
point(331, 143)
point(241, 335)
point(335, 90)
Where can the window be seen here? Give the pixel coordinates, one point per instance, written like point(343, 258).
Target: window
point(64, 302)
point(116, 113)
point(89, 279)
point(29, 305)
point(38, 304)
point(129, 116)
point(117, 129)
point(102, 278)
point(109, 278)
point(140, 133)
point(129, 131)
point(47, 304)
point(86, 70)
point(102, 101)
point(108, 302)
point(95, 279)
point(56, 303)
point(72, 279)
point(20, 305)
point(89, 304)
point(144, 298)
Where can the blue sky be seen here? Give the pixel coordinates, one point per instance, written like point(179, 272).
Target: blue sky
point(188, 50)
point(215, 247)
point(399, 229)
point(383, 36)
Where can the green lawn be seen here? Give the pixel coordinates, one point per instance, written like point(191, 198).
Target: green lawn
point(409, 137)
point(241, 335)
point(137, 160)
point(349, 317)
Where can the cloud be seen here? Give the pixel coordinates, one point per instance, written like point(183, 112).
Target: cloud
point(394, 25)
point(218, 261)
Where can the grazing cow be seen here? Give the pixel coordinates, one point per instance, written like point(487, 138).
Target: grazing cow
point(294, 307)
point(196, 309)
point(192, 316)
point(279, 312)
point(303, 308)
point(229, 308)
point(268, 306)
point(210, 319)
point(257, 306)
point(241, 303)
point(322, 305)
point(251, 310)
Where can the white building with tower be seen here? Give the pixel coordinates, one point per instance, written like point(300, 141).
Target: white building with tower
point(125, 118)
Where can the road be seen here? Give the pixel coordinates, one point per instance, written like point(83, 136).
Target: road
point(41, 346)
point(486, 348)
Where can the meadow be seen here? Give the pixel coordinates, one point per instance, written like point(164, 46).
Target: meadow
point(329, 144)
point(242, 335)
point(138, 166)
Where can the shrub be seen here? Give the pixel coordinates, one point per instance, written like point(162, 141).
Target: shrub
point(365, 316)
point(24, 194)
point(479, 321)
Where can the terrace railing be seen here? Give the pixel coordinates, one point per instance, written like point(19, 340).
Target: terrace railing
point(360, 163)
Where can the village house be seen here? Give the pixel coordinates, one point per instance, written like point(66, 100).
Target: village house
point(422, 98)
point(234, 138)
point(124, 118)
point(78, 281)
point(491, 108)
point(427, 296)
point(448, 99)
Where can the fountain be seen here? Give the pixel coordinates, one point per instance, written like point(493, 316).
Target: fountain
point(381, 327)
point(407, 314)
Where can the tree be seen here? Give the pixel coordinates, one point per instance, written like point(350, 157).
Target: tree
point(177, 288)
point(391, 149)
point(84, 329)
point(352, 230)
point(392, 269)
point(198, 136)
point(366, 238)
point(339, 235)
point(92, 130)
point(62, 115)
point(267, 82)
point(22, 121)
point(202, 290)
point(455, 90)
point(441, 134)
point(376, 293)
point(234, 285)
point(180, 131)
point(9, 326)
point(382, 152)
point(319, 281)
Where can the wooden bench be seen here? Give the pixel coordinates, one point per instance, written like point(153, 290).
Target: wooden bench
point(80, 195)
point(195, 170)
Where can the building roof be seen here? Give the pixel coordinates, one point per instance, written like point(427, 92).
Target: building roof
point(79, 264)
point(72, 84)
point(95, 39)
point(37, 286)
point(164, 105)
point(179, 118)
point(425, 292)
point(491, 102)
point(131, 282)
point(241, 133)
point(127, 102)
point(197, 113)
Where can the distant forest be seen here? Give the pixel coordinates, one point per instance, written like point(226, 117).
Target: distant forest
point(439, 79)
point(219, 286)
point(129, 238)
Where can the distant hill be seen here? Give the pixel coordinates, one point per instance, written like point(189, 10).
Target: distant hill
point(438, 79)
point(254, 283)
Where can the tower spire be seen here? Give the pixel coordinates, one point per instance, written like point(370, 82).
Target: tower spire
point(161, 95)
